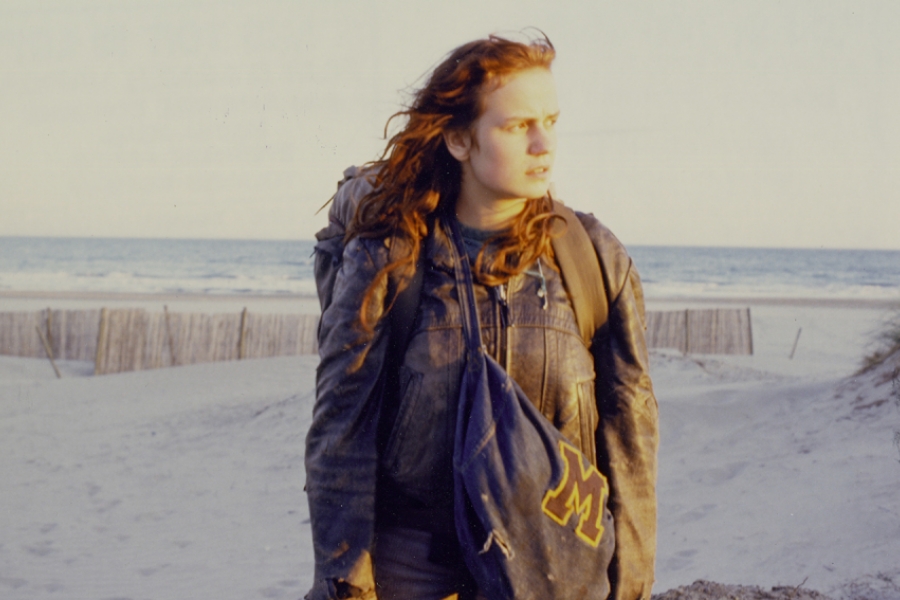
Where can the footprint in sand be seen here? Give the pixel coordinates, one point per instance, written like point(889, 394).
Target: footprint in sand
point(150, 571)
point(718, 474)
point(683, 559)
point(41, 549)
point(13, 582)
point(45, 529)
point(697, 513)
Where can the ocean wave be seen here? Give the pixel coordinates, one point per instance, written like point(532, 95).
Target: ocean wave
point(286, 267)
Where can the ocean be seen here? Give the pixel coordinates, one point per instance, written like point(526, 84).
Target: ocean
point(286, 267)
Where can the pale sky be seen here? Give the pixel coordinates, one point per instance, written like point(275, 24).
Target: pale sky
point(724, 123)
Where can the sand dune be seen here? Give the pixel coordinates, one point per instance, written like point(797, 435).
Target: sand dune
point(187, 482)
point(771, 480)
point(177, 483)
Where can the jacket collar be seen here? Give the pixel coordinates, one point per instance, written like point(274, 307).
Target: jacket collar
point(437, 248)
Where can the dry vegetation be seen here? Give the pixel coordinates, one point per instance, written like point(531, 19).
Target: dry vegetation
point(887, 345)
point(883, 586)
point(710, 590)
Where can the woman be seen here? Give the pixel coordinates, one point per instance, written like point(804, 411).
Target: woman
point(477, 146)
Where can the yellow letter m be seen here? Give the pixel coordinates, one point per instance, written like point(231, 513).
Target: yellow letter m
point(583, 490)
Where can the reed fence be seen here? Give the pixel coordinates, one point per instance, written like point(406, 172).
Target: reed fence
point(710, 331)
point(119, 340)
point(72, 334)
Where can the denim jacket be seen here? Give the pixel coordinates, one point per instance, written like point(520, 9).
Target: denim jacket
point(600, 398)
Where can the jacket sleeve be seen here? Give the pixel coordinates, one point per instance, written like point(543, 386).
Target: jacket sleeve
point(341, 456)
point(628, 435)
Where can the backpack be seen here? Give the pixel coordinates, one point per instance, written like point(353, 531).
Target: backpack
point(329, 250)
point(574, 251)
point(329, 253)
point(517, 482)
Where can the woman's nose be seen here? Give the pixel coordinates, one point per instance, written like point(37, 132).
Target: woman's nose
point(543, 141)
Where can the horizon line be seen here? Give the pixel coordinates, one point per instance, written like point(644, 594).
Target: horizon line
point(313, 240)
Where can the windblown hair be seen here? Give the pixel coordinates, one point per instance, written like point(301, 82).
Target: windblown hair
point(417, 176)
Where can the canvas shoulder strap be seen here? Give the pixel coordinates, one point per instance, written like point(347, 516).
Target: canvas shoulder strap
point(581, 273)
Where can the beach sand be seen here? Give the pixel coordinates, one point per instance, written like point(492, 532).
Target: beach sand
point(187, 482)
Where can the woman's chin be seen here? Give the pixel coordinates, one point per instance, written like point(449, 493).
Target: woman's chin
point(539, 191)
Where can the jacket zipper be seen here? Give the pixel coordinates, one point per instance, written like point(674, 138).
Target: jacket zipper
point(503, 349)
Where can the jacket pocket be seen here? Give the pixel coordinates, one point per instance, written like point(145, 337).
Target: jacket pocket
point(409, 390)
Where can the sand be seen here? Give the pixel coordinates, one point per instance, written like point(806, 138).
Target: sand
point(188, 481)
point(179, 483)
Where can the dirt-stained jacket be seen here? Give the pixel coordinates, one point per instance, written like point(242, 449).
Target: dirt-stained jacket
point(603, 402)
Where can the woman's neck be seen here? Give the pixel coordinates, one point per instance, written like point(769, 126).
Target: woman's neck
point(488, 215)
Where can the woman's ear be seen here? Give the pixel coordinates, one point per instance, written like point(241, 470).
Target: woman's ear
point(459, 143)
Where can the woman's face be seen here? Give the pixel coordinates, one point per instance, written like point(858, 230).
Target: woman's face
point(508, 153)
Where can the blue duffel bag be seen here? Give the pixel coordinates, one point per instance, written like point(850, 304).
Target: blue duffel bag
point(530, 508)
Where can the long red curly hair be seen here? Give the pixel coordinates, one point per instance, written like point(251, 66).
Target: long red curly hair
point(417, 176)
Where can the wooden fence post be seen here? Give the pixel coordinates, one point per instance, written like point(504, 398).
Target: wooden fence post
point(172, 360)
point(796, 339)
point(50, 329)
point(749, 331)
point(242, 336)
point(48, 350)
point(102, 342)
